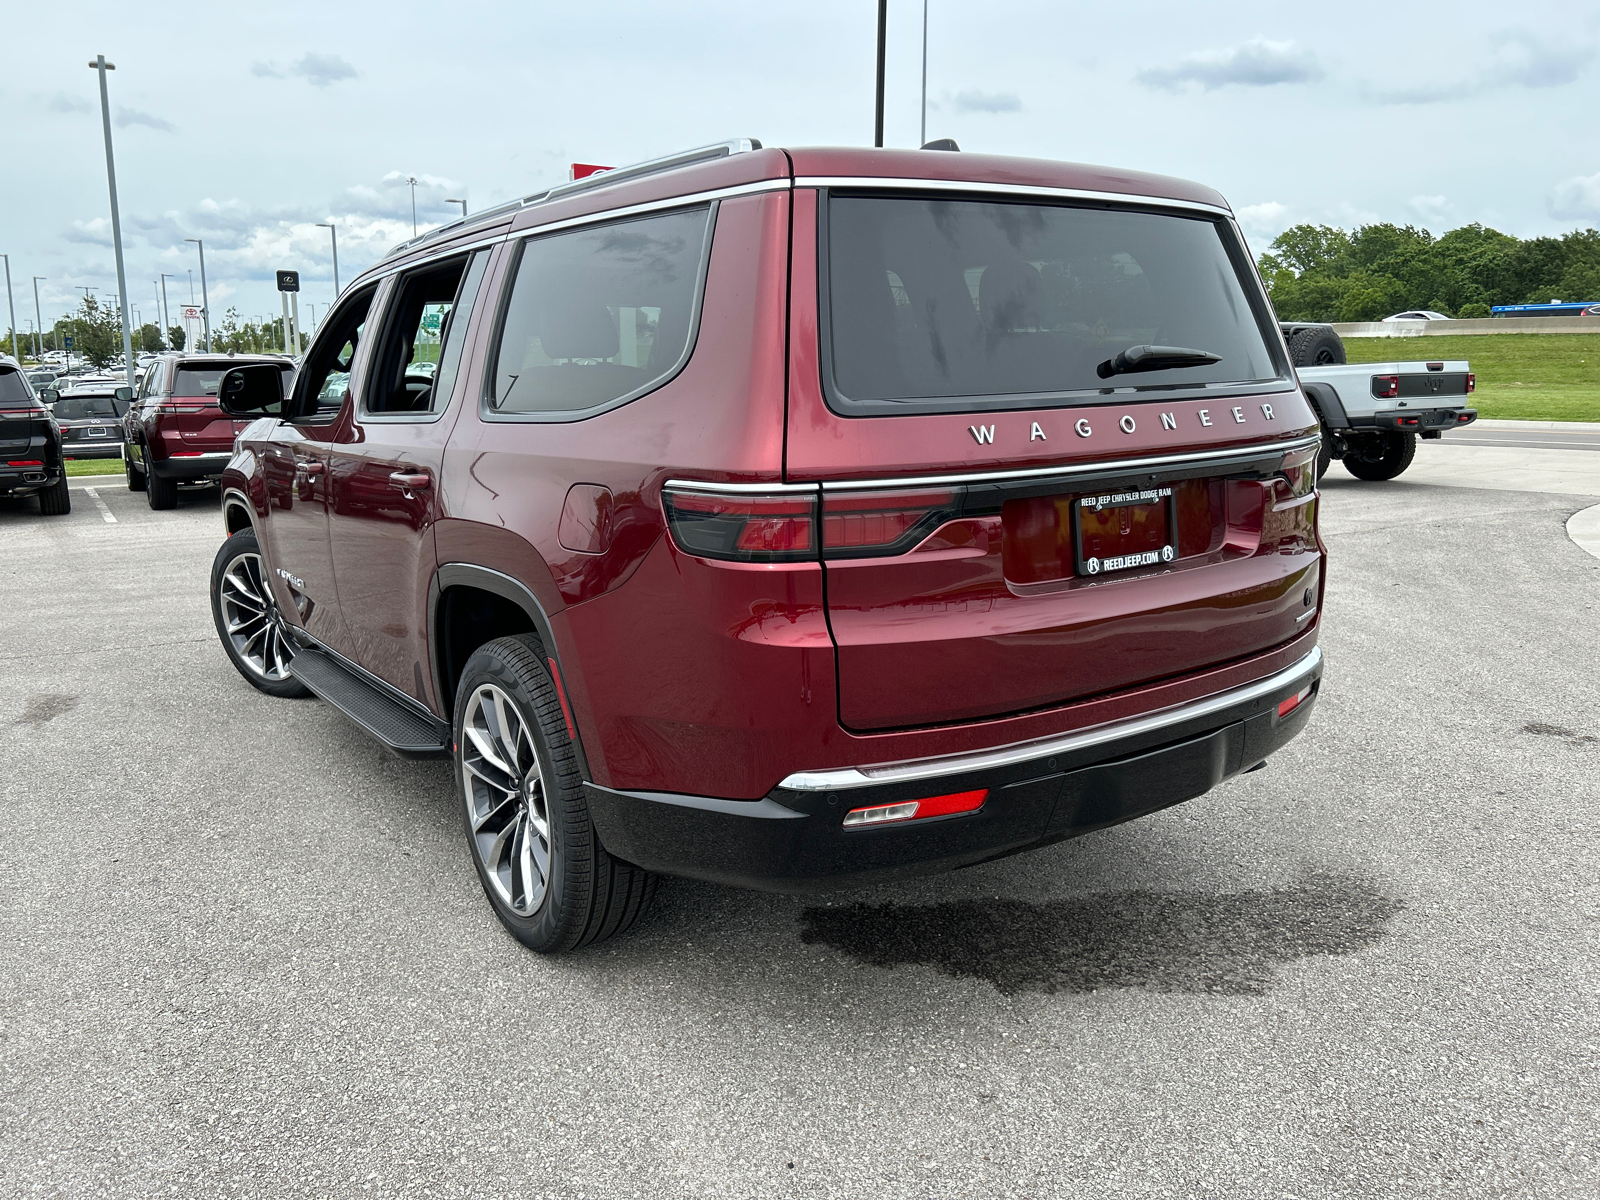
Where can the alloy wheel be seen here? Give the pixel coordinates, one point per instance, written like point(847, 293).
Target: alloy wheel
point(253, 626)
point(507, 808)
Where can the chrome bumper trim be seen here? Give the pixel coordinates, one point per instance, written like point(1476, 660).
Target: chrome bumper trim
point(843, 778)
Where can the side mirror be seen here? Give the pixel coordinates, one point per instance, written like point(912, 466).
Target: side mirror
point(253, 391)
point(124, 394)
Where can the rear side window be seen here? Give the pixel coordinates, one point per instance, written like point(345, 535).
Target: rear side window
point(199, 383)
point(952, 305)
point(600, 315)
point(14, 388)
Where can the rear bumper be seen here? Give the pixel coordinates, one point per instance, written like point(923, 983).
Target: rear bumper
point(98, 448)
point(190, 466)
point(794, 839)
point(17, 481)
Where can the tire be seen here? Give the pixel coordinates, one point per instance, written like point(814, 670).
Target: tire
point(1316, 347)
point(252, 633)
point(135, 475)
point(1380, 455)
point(160, 493)
point(56, 500)
point(522, 802)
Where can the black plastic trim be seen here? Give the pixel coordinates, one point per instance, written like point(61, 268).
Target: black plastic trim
point(398, 726)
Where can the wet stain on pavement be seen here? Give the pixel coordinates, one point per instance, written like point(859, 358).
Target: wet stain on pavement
point(1227, 944)
point(1574, 738)
point(46, 706)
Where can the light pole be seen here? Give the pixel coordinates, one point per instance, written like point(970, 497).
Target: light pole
point(312, 309)
point(412, 180)
point(38, 321)
point(166, 313)
point(334, 234)
point(463, 204)
point(205, 301)
point(883, 36)
point(102, 66)
point(922, 139)
point(13, 309)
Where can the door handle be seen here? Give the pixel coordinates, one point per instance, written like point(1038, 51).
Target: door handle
point(309, 466)
point(403, 479)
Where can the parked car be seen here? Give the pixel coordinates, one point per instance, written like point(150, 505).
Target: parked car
point(91, 420)
point(30, 446)
point(1419, 314)
point(792, 519)
point(175, 431)
point(1373, 413)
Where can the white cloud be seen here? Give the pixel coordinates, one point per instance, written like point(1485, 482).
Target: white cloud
point(1518, 59)
point(266, 70)
point(1256, 63)
point(987, 102)
point(1577, 199)
point(319, 70)
point(132, 116)
point(63, 103)
point(1434, 209)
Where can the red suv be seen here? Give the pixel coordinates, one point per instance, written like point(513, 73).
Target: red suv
point(175, 432)
point(790, 518)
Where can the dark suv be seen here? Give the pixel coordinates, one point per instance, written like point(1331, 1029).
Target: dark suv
point(175, 432)
point(91, 420)
point(791, 519)
point(30, 446)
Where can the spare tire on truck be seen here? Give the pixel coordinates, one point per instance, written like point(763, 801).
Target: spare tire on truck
point(1315, 346)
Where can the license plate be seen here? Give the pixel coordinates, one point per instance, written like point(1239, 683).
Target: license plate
point(94, 432)
point(1120, 531)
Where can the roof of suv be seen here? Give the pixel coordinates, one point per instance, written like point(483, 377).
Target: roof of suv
point(745, 164)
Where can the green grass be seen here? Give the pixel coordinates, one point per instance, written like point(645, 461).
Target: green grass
point(1521, 376)
point(94, 466)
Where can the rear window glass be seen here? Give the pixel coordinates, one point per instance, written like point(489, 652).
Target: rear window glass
point(77, 408)
point(952, 304)
point(198, 382)
point(14, 387)
point(600, 315)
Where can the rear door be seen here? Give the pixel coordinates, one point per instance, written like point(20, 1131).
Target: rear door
point(384, 470)
point(1007, 525)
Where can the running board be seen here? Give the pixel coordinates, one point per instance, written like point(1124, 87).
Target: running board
point(405, 731)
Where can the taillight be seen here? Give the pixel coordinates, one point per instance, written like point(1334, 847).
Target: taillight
point(25, 462)
point(1385, 387)
point(917, 810)
point(1472, 383)
point(180, 410)
point(771, 527)
point(1299, 469)
point(869, 524)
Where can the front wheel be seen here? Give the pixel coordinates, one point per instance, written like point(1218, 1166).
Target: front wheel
point(247, 618)
point(1380, 455)
point(546, 875)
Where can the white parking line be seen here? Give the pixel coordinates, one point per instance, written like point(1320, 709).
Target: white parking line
point(100, 504)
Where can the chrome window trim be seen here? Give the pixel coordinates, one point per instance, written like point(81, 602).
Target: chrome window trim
point(844, 778)
point(689, 200)
point(1068, 471)
point(1135, 199)
point(737, 489)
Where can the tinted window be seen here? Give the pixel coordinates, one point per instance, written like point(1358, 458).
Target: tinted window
point(325, 379)
point(955, 300)
point(198, 382)
point(13, 386)
point(423, 340)
point(600, 314)
point(76, 408)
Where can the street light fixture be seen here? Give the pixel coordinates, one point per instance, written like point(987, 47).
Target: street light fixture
point(13, 309)
point(334, 234)
point(205, 301)
point(412, 180)
point(102, 66)
point(463, 204)
point(38, 321)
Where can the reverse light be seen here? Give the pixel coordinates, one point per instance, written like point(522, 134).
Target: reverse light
point(917, 810)
point(1293, 702)
point(1385, 387)
point(778, 527)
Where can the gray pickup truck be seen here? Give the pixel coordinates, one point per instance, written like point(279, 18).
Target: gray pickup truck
point(1373, 413)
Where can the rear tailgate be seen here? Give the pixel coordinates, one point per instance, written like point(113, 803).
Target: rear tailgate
point(983, 563)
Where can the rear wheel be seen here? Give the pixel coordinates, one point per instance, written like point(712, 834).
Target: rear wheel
point(247, 618)
point(134, 474)
point(56, 500)
point(1316, 347)
point(160, 493)
point(546, 875)
point(1380, 455)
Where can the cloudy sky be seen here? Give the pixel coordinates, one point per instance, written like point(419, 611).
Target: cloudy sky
point(246, 126)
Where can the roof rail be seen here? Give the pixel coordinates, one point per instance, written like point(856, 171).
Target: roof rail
point(652, 166)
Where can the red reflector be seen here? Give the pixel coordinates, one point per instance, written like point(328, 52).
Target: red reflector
point(1462, 418)
point(184, 454)
point(918, 810)
point(1472, 384)
point(1293, 702)
point(25, 462)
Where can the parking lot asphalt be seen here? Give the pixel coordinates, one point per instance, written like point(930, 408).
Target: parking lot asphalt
point(243, 951)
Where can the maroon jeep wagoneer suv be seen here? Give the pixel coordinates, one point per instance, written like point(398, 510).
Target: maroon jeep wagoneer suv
point(790, 518)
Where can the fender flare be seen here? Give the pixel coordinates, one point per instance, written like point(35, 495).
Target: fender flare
point(457, 574)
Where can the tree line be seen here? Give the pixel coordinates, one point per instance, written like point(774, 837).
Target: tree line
point(96, 333)
point(1322, 273)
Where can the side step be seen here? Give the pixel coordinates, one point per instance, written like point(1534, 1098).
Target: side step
point(396, 725)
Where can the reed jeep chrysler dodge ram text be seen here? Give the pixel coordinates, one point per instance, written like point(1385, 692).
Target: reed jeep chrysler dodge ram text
point(790, 519)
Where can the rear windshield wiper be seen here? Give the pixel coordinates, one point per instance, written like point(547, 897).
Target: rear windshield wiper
point(1155, 358)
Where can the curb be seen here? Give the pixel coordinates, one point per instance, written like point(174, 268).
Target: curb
point(1584, 529)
